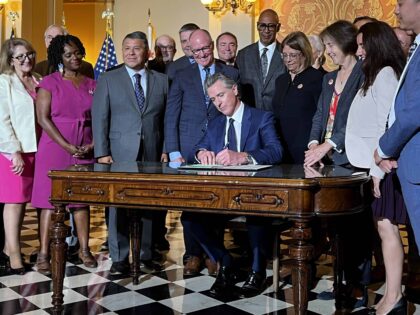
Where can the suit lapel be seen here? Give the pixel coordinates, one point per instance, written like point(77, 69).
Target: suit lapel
point(221, 133)
point(275, 65)
point(196, 79)
point(246, 124)
point(127, 81)
point(256, 61)
point(151, 80)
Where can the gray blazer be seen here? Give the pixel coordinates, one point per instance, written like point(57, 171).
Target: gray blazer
point(254, 91)
point(119, 128)
point(320, 119)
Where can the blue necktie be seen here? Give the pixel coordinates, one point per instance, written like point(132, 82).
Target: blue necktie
point(207, 70)
point(231, 138)
point(139, 92)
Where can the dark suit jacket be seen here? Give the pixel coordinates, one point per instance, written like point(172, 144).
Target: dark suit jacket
point(294, 105)
point(177, 65)
point(118, 125)
point(187, 114)
point(402, 139)
point(254, 91)
point(258, 136)
point(319, 122)
point(85, 68)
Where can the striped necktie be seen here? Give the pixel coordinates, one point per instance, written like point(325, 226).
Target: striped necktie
point(139, 92)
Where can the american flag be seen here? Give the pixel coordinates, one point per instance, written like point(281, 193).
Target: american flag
point(107, 57)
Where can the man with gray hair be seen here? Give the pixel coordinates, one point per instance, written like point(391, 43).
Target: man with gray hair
point(127, 120)
point(42, 67)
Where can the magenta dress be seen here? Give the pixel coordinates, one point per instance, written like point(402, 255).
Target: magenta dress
point(71, 114)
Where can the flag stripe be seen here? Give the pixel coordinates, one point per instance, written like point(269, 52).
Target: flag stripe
point(107, 57)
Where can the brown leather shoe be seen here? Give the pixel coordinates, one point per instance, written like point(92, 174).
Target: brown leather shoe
point(192, 266)
point(211, 267)
point(87, 258)
point(43, 265)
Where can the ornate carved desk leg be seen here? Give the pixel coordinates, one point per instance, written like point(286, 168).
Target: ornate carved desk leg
point(135, 241)
point(58, 233)
point(301, 253)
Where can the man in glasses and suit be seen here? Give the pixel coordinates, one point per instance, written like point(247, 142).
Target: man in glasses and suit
point(260, 64)
point(188, 112)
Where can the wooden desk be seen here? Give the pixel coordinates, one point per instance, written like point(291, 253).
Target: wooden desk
point(280, 191)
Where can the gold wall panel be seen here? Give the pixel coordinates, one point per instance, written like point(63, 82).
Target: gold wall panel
point(311, 16)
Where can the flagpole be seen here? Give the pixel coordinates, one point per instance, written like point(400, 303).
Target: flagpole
point(13, 16)
point(108, 15)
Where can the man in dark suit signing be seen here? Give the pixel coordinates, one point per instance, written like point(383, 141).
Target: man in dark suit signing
point(260, 64)
point(127, 115)
point(187, 114)
point(242, 135)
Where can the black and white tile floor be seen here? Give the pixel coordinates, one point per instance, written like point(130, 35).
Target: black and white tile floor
point(95, 291)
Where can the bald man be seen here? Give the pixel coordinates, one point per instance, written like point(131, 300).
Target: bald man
point(188, 112)
point(165, 50)
point(260, 64)
point(42, 66)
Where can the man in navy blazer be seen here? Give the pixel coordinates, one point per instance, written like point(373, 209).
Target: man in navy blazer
point(188, 112)
point(253, 135)
point(402, 139)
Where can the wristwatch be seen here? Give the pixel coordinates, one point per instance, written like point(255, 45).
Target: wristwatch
point(249, 159)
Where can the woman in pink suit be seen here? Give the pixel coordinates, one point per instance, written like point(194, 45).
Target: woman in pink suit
point(18, 143)
point(63, 108)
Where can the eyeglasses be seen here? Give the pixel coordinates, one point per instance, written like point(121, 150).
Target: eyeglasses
point(167, 48)
point(292, 56)
point(29, 55)
point(204, 50)
point(271, 26)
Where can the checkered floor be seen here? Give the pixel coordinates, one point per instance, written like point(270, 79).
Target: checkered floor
point(95, 291)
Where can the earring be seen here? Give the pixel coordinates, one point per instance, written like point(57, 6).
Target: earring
point(61, 68)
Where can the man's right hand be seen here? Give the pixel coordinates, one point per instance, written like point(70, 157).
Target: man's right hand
point(105, 160)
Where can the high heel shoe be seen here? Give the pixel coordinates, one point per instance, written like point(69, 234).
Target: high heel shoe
point(43, 265)
point(87, 258)
point(400, 308)
point(4, 261)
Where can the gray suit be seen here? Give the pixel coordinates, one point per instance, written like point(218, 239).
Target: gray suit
point(254, 91)
point(319, 121)
point(123, 132)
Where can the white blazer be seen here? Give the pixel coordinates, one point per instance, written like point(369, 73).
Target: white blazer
point(367, 119)
point(17, 116)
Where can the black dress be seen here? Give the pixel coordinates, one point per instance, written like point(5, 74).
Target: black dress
point(294, 104)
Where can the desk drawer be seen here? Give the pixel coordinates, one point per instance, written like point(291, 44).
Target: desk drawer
point(176, 196)
point(259, 200)
point(85, 191)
